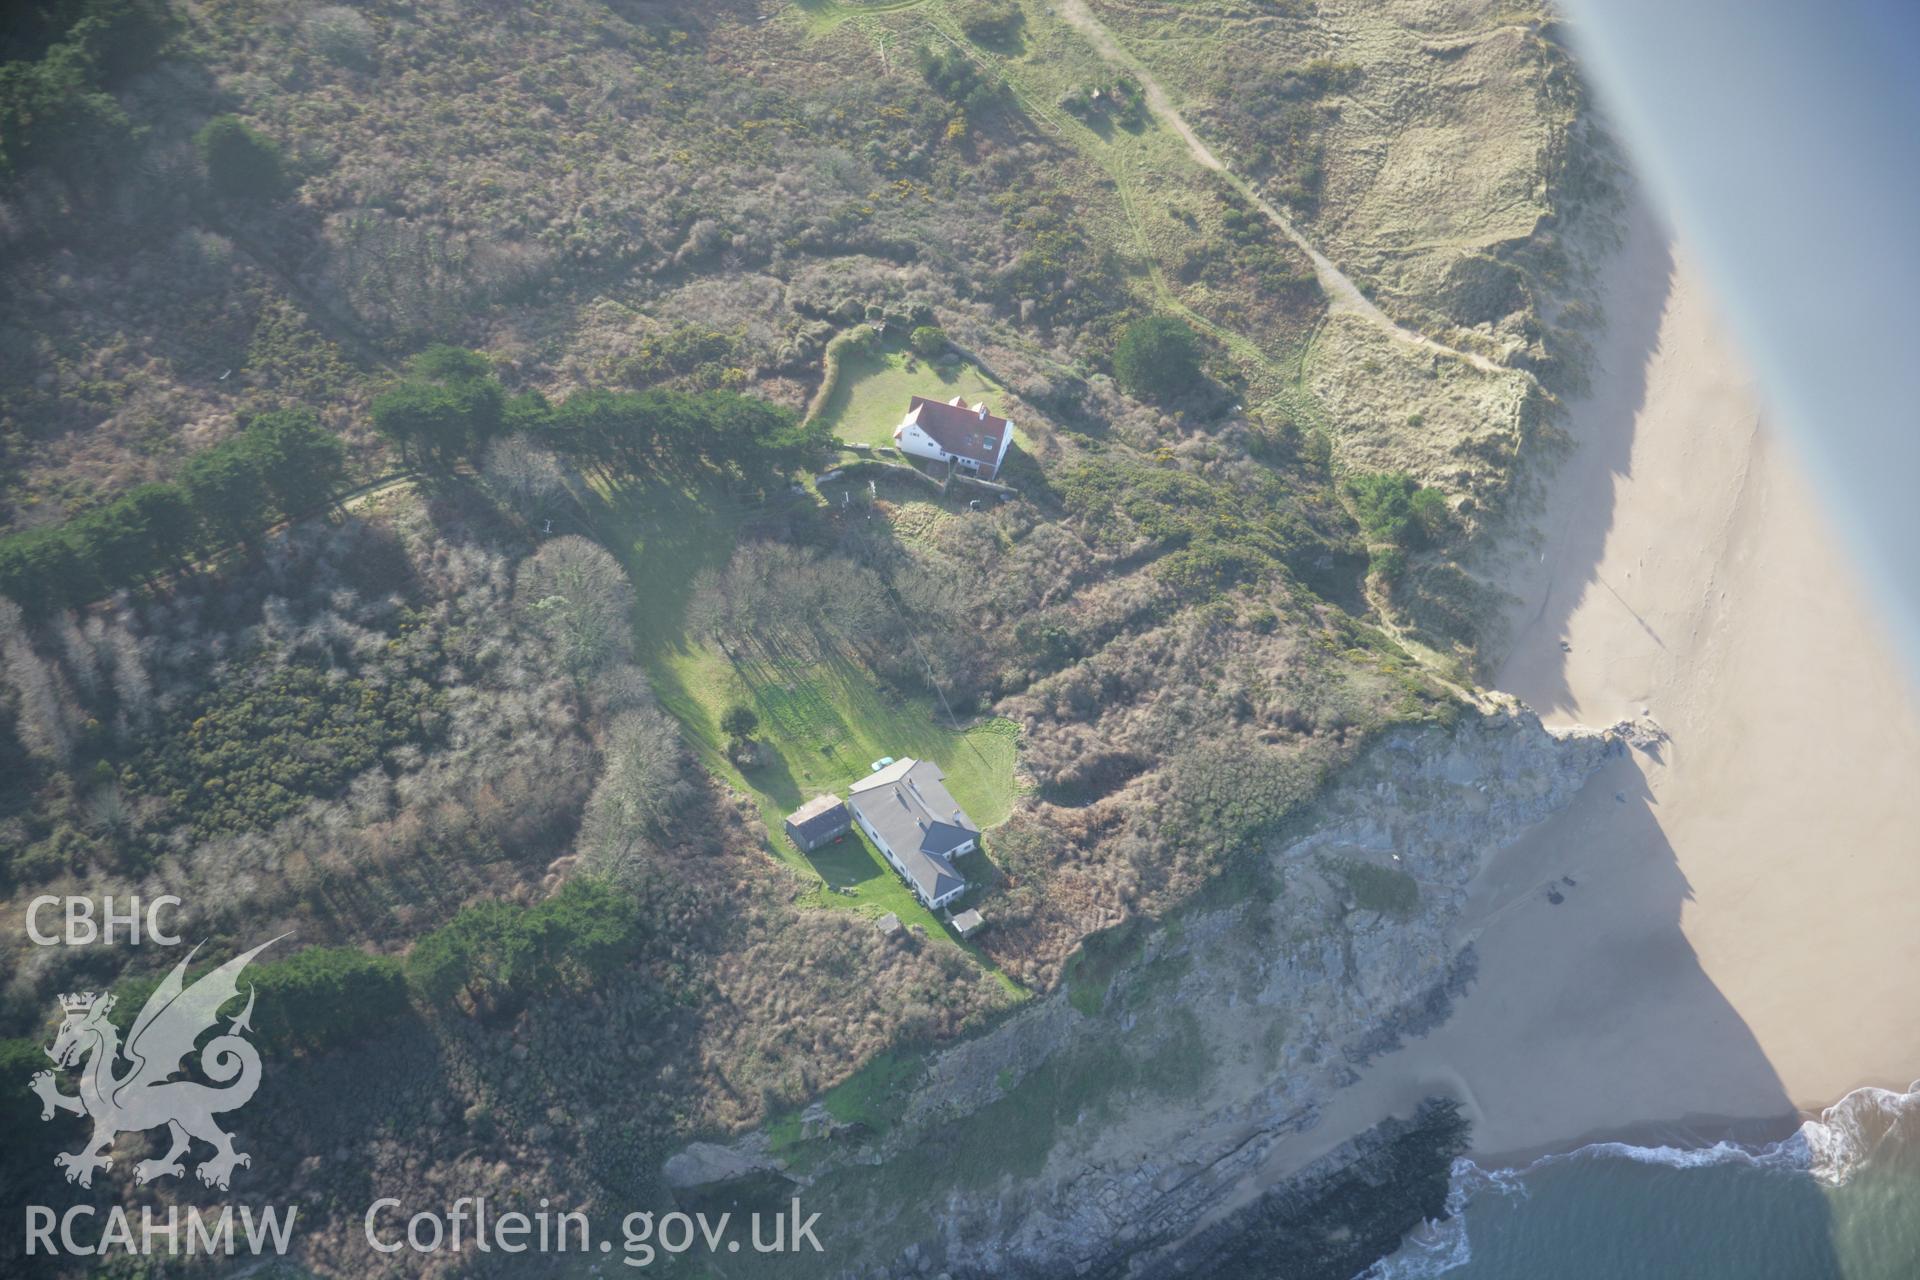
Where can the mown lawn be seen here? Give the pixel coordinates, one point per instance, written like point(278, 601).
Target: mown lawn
point(874, 389)
point(821, 727)
point(821, 723)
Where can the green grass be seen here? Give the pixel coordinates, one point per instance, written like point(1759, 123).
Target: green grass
point(1091, 970)
point(873, 1096)
point(875, 387)
point(821, 723)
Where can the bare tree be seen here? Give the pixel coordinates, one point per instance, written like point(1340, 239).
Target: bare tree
point(643, 785)
point(526, 476)
point(580, 597)
point(48, 715)
point(781, 596)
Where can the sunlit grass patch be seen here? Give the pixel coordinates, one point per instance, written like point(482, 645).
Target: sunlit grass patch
point(875, 388)
point(823, 720)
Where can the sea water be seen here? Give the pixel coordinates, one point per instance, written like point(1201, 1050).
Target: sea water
point(1839, 1200)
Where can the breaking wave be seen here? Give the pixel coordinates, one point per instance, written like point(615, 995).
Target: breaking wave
point(1437, 1247)
point(1829, 1149)
point(1849, 1132)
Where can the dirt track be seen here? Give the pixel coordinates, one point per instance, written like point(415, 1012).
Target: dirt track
point(1342, 294)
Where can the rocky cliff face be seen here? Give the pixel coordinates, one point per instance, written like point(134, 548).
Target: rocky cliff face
point(1096, 1130)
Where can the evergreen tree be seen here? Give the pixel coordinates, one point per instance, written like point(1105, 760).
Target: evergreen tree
point(227, 491)
point(1157, 357)
point(300, 461)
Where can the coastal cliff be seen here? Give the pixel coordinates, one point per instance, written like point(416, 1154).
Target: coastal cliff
point(1125, 1123)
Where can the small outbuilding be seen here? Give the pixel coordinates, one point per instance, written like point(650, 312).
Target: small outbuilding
point(817, 822)
point(968, 922)
point(889, 925)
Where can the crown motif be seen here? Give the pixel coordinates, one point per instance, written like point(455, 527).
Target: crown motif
point(80, 1003)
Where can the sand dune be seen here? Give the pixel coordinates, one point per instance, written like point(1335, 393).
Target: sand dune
point(1741, 933)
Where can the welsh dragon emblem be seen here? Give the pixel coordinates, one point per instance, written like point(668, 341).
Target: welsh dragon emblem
point(143, 1095)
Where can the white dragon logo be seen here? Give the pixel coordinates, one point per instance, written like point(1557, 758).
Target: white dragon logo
point(144, 1097)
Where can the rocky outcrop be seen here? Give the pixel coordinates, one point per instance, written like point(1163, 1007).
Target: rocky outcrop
point(1093, 1132)
point(711, 1175)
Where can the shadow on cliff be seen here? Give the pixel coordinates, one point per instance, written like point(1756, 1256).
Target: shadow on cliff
point(1602, 428)
point(1591, 1007)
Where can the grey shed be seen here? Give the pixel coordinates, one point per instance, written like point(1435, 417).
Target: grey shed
point(817, 822)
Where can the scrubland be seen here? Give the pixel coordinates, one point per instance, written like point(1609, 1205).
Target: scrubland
point(399, 724)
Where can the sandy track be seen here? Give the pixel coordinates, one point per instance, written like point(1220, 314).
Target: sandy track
point(1343, 295)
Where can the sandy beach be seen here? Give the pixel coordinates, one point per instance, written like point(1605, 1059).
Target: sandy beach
point(1738, 930)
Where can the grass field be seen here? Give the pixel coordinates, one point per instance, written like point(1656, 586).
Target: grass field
point(821, 726)
point(874, 389)
point(821, 723)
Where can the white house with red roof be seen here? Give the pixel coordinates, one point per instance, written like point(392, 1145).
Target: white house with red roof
point(967, 436)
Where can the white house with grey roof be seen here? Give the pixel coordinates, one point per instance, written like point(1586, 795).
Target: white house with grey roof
point(914, 822)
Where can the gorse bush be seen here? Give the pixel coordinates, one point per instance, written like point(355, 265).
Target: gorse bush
point(1281, 123)
point(1055, 251)
point(1393, 508)
point(1214, 535)
point(261, 746)
point(955, 77)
